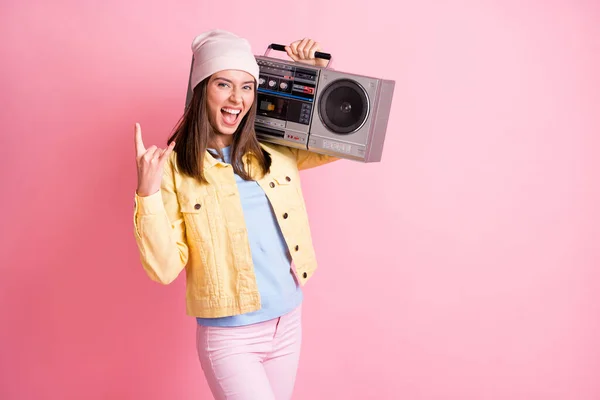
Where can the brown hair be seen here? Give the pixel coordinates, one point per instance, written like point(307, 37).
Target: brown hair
point(194, 131)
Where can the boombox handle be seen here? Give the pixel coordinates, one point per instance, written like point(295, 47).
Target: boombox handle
point(318, 54)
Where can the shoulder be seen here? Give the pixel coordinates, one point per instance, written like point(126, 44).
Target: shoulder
point(170, 167)
point(272, 147)
point(278, 150)
point(171, 162)
point(283, 159)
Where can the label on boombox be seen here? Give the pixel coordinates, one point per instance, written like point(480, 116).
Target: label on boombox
point(286, 100)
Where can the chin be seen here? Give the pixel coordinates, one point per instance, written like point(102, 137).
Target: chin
point(227, 130)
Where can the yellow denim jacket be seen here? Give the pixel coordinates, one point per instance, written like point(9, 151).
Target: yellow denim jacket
point(201, 227)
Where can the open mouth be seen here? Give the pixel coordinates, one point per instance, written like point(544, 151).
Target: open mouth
point(230, 115)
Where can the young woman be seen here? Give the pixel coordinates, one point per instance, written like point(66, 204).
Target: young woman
point(229, 210)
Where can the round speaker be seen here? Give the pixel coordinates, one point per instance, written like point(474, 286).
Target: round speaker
point(344, 106)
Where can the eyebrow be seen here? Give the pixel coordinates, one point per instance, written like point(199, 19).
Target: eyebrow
point(229, 81)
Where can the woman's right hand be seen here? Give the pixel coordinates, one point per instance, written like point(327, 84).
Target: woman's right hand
point(150, 164)
point(303, 51)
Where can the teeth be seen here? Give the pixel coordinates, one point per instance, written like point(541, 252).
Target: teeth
point(231, 111)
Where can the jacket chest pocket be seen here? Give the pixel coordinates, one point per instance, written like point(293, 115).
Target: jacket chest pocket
point(285, 187)
point(196, 214)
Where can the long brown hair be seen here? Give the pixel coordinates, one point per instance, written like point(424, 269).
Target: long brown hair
point(194, 131)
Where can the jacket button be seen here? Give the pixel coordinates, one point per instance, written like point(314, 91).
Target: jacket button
point(285, 215)
point(197, 206)
point(272, 184)
point(305, 275)
point(297, 248)
point(287, 178)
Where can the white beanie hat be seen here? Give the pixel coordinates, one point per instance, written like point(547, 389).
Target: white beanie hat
point(218, 50)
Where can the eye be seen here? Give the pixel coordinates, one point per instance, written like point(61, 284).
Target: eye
point(248, 87)
point(222, 84)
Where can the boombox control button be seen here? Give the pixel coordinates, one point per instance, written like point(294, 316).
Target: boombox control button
point(294, 138)
point(283, 85)
point(272, 83)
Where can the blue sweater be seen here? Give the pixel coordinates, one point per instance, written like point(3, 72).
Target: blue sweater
point(278, 289)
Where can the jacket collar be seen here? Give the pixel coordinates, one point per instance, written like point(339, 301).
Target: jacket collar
point(210, 161)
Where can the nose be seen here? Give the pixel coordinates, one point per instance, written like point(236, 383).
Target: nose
point(236, 95)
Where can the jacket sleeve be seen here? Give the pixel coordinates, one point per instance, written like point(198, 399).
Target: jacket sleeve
point(159, 230)
point(308, 159)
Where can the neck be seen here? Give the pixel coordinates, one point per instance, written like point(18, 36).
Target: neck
point(219, 141)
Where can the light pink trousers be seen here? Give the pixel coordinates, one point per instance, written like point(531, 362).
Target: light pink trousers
point(257, 361)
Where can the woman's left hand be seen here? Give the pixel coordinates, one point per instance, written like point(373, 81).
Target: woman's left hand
point(304, 51)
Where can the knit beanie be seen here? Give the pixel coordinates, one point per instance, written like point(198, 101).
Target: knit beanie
point(219, 50)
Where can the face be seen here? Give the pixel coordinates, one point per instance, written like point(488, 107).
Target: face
point(229, 96)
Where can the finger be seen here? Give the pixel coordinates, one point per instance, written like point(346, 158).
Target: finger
point(306, 43)
point(149, 154)
point(313, 49)
point(307, 48)
point(290, 53)
point(294, 47)
point(139, 143)
point(166, 152)
point(300, 48)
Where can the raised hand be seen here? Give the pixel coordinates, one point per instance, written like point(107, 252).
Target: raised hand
point(150, 164)
point(304, 51)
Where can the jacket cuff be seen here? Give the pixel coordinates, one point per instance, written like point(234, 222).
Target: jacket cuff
point(149, 205)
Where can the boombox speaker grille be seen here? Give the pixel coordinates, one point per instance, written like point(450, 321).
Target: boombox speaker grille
point(344, 106)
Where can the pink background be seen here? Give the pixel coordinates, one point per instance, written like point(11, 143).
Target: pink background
point(465, 266)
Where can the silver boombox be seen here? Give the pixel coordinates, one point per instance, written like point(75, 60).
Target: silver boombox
point(320, 109)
